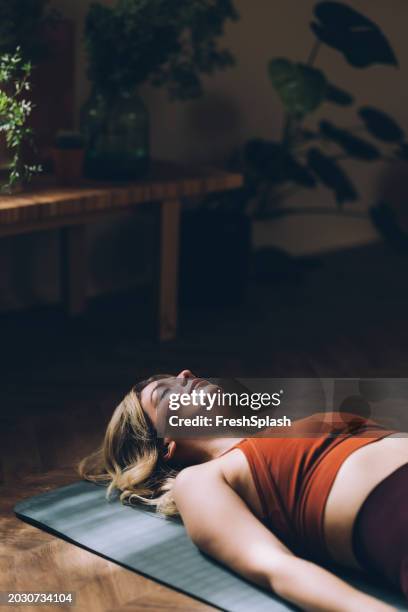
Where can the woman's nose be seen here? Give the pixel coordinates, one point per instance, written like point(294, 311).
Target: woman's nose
point(185, 374)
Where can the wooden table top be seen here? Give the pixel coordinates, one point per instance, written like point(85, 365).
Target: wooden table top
point(46, 205)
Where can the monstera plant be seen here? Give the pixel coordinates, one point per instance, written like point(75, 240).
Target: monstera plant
point(304, 156)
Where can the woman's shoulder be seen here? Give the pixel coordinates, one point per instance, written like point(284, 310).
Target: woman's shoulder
point(193, 473)
point(227, 466)
point(199, 477)
point(230, 471)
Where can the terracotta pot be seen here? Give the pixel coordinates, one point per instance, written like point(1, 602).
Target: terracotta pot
point(68, 165)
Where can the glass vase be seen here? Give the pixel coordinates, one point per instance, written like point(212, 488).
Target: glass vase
point(116, 131)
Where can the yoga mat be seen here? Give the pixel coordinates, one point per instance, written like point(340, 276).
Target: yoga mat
point(159, 548)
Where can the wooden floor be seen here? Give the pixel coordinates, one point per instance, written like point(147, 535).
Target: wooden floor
point(60, 381)
point(33, 560)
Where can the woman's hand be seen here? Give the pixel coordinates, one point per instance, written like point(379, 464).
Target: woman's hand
point(313, 588)
point(221, 524)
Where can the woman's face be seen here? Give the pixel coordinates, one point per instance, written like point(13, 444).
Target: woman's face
point(155, 396)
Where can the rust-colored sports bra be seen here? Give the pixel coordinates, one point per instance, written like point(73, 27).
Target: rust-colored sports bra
point(293, 474)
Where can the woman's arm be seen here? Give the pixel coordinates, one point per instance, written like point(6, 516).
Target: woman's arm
point(221, 524)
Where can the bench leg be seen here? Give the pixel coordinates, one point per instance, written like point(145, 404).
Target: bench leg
point(168, 269)
point(73, 269)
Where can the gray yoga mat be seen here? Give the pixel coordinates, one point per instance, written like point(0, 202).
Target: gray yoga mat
point(159, 548)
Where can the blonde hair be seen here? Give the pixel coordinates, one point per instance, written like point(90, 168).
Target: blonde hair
point(130, 457)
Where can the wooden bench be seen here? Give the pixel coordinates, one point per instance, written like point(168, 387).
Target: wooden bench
point(47, 207)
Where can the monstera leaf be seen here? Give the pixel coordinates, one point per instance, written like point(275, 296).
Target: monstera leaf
point(353, 145)
point(359, 39)
point(338, 96)
point(299, 173)
point(331, 175)
point(386, 222)
point(301, 88)
point(380, 125)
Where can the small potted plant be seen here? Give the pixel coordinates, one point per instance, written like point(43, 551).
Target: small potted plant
point(68, 156)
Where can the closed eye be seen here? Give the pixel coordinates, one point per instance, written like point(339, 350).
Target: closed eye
point(160, 392)
point(164, 393)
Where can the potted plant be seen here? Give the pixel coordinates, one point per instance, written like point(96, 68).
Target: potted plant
point(303, 157)
point(15, 109)
point(144, 41)
point(68, 157)
point(309, 154)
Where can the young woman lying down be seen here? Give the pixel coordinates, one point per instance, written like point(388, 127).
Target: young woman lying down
point(274, 510)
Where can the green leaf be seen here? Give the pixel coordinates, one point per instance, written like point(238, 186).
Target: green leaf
point(299, 173)
point(341, 15)
point(338, 96)
point(351, 144)
point(301, 88)
point(332, 175)
point(381, 125)
point(359, 39)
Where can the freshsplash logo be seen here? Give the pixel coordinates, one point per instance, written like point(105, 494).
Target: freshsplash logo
point(219, 398)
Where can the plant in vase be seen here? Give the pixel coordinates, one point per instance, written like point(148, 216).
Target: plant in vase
point(15, 110)
point(68, 155)
point(306, 154)
point(303, 157)
point(311, 153)
point(136, 42)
